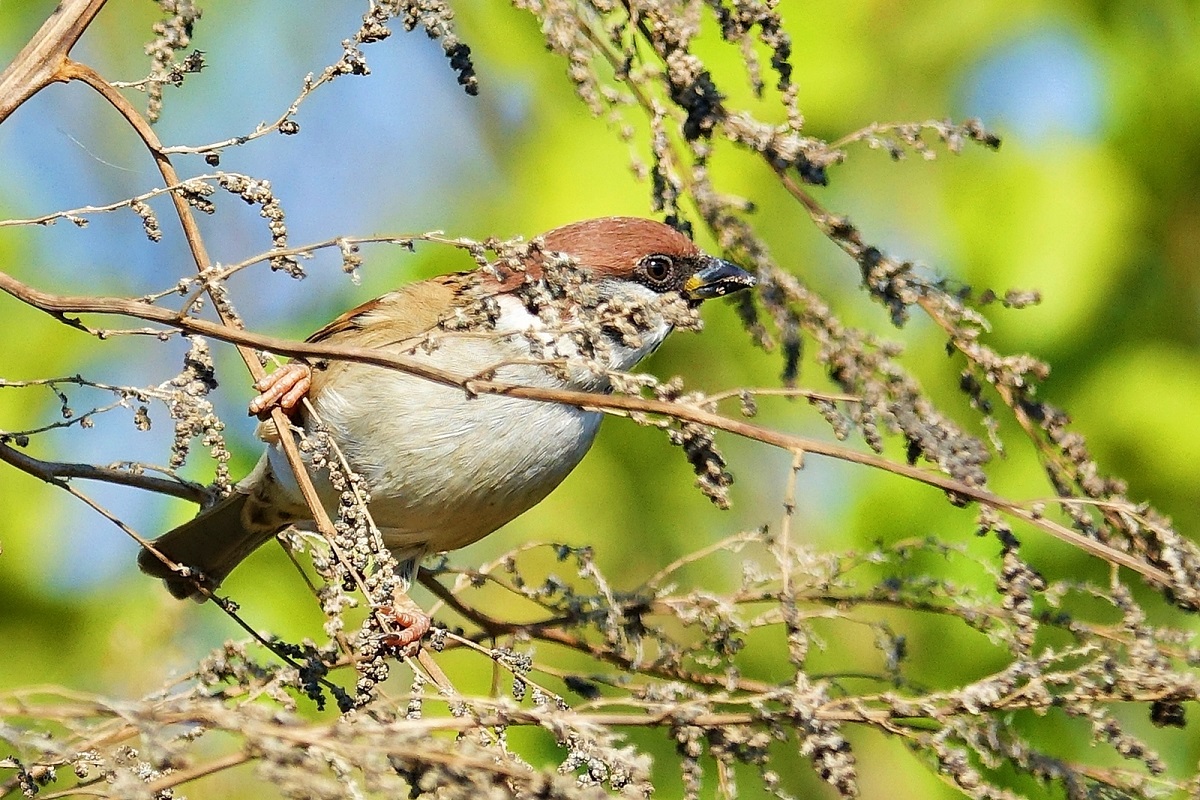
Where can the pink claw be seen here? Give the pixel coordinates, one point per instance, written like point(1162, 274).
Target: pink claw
point(285, 388)
point(412, 624)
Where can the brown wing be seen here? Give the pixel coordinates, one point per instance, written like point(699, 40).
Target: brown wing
point(384, 322)
point(407, 312)
point(389, 320)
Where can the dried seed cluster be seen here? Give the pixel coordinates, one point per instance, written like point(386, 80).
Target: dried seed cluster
point(666, 655)
point(193, 413)
point(258, 192)
point(171, 35)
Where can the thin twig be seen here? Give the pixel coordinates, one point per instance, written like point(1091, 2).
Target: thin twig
point(57, 471)
point(59, 304)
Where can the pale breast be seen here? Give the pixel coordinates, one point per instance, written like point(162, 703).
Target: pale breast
point(445, 469)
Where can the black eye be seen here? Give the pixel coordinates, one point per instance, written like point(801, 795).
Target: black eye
point(658, 269)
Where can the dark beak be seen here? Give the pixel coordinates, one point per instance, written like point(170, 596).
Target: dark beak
point(716, 278)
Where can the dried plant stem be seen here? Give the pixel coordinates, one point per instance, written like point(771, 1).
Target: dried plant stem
point(59, 305)
point(59, 472)
point(28, 74)
point(41, 62)
point(667, 654)
point(198, 771)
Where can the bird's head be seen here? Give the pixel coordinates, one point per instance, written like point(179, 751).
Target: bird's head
point(643, 253)
point(637, 280)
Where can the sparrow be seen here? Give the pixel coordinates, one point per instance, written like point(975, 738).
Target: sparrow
point(444, 468)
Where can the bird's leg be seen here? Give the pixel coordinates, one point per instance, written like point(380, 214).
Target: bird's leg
point(285, 388)
point(411, 621)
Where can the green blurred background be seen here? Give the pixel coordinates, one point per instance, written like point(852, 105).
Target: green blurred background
point(1092, 199)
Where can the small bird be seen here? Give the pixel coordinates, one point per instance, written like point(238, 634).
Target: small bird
point(443, 468)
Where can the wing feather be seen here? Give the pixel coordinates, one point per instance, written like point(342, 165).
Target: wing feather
point(388, 321)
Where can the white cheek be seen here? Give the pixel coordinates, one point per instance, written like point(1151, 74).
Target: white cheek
point(517, 319)
point(651, 336)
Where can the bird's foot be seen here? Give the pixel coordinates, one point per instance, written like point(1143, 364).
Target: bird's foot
point(285, 388)
point(411, 625)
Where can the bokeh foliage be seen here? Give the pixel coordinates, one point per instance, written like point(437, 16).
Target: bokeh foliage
point(1102, 219)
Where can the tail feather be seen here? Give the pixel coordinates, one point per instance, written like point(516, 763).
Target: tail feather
point(213, 543)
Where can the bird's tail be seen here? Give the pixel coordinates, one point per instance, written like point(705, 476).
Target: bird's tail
point(213, 543)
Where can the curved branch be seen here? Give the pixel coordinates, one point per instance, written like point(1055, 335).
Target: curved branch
point(45, 60)
point(58, 305)
point(58, 472)
point(40, 63)
point(191, 231)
